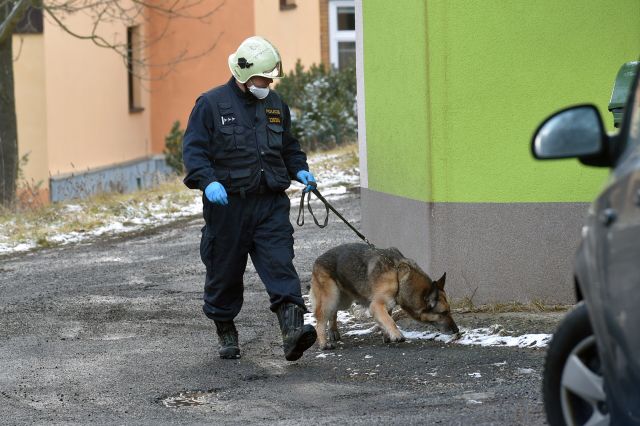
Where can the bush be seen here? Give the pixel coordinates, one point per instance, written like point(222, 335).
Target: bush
point(323, 105)
point(173, 148)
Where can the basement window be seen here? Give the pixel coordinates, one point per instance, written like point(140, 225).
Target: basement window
point(133, 69)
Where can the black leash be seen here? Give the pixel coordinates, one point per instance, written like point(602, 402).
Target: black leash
point(328, 207)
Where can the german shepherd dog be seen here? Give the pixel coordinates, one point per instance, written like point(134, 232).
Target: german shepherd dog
point(378, 279)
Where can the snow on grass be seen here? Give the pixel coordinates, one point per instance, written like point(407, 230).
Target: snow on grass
point(90, 219)
point(483, 337)
point(113, 214)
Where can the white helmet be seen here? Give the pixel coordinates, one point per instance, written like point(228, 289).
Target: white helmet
point(255, 56)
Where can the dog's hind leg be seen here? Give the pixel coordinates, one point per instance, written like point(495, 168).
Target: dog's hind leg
point(325, 294)
point(334, 334)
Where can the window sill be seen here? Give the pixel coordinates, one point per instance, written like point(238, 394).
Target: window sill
point(288, 7)
point(133, 110)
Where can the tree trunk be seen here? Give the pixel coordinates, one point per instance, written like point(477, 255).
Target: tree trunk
point(8, 124)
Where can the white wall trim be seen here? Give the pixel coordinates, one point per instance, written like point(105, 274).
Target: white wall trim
point(362, 128)
point(336, 36)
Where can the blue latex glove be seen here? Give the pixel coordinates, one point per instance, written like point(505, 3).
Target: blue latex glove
point(305, 177)
point(216, 193)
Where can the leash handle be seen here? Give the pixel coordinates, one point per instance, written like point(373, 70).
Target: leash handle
point(328, 207)
point(300, 220)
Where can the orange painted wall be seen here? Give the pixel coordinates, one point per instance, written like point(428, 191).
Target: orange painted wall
point(173, 96)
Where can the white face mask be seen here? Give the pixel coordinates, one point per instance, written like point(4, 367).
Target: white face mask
point(259, 92)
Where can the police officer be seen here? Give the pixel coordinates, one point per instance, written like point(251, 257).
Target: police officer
point(239, 151)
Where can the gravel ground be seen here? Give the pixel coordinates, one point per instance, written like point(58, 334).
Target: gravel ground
point(112, 332)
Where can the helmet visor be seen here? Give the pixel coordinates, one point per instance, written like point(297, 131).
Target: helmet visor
point(276, 72)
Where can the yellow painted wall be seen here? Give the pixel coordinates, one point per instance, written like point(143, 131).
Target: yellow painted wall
point(88, 119)
point(29, 84)
point(295, 32)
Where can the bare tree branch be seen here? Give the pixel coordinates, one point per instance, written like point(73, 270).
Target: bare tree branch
point(17, 56)
point(103, 11)
point(8, 25)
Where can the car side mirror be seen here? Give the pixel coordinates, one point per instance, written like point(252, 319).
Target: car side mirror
point(574, 132)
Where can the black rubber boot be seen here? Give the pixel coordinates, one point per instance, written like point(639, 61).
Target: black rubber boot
point(228, 338)
point(296, 336)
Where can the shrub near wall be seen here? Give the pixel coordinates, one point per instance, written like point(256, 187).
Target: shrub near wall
point(323, 105)
point(173, 148)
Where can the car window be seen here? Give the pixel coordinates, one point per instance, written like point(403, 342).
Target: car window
point(629, 136)
point(634, 124)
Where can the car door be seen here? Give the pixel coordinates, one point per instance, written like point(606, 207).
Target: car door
point(616, 315)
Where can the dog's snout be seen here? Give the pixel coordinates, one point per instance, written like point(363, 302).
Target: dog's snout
point(450, 326)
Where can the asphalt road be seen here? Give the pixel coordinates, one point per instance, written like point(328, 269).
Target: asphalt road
point(111, 332)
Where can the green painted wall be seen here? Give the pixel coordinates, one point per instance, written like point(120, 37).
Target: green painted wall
point(395, 68)
point(455, 88)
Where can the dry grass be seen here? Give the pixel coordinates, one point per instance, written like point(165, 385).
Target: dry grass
point(344, 157)
point(40, 223)
point(33, 222)
point(466, 305)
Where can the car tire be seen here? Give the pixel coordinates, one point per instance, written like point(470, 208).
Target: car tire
point(572, 385)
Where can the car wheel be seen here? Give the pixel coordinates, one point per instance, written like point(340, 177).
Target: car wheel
point(572, 386)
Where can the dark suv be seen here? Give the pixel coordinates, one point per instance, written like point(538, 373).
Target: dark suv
point(592, 369)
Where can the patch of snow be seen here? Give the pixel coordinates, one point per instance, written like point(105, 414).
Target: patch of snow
point(491, 336)
point(324, 355)
point(361, 332)
point(476, 375)
point(426, 335)
point(73, 208)
point(484, 337)
point(310, 319)
point(8, 248)
point(345, 317)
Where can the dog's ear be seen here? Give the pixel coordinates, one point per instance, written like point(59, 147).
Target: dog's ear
point(395, 251)
point(404, 270)
point(440, 282)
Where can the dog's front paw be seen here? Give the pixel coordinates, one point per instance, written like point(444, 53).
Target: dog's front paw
point(393, 339)
point(326, 346)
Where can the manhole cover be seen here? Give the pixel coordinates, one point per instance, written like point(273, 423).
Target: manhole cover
point(188, 399)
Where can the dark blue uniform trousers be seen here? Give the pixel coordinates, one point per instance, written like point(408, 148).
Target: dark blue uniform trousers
point(257, 225)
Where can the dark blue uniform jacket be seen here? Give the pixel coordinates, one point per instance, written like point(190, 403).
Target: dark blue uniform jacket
point(241, 142)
